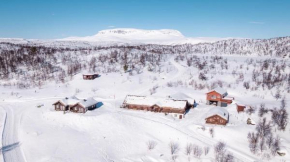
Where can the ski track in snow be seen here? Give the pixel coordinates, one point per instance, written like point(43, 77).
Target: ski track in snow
point(11, 146)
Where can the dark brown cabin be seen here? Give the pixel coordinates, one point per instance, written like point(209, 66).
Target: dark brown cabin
point(59, 106)
point(78, 108)
point(216, 119)
point(90, 76)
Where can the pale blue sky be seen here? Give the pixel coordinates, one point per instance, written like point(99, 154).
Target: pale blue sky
point(50, 19)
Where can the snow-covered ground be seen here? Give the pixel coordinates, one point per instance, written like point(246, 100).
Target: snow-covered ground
point(110, 133)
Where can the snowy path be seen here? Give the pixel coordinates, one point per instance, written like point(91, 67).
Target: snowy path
point(11, 146)
point(180, 71)
point(30, 99)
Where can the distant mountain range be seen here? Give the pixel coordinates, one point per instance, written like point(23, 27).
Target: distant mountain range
point(167, 40)
point(126, 35)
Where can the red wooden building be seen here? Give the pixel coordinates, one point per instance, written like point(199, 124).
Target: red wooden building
point(218, 97)
point(240, 107)
point(219, 116)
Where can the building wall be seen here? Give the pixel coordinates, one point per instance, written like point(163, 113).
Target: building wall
point(213, 96)
point(59, 107)
point(240, 108)
point(78, 109)
point(227, 101)
point(216, 120)
point(155, 108)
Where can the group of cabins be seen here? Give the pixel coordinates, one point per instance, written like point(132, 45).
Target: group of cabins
point(178, 108)
point(76, 105)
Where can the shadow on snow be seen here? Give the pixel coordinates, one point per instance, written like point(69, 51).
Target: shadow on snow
point(10, 147)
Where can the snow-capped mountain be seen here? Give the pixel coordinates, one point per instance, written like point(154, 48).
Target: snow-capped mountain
point(130, 35)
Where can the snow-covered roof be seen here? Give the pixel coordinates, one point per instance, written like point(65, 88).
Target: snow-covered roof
point(70, 100)
point(74, 100)
point(87, 102)
point(228, 98)
point(218, 111)
point(219, 90)
point(150, 101)
point(180, 95)
point(90, 74)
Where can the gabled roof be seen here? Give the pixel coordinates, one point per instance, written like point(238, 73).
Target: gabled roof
point(70, 100)
point(218, 90)
point(223, 113)
point(240, 104)
point(87, 102)
point(90, 74)
point(86, 72)
point(150, 101)
point(74, 100)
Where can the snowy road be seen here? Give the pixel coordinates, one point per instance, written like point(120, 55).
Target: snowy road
point(11, 146)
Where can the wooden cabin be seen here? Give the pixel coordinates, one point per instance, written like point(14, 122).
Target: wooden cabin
point(156, 105)
point(90, 76)
point(240, 107)
point(60, 106)
point(76, 105)
point(65, 104)
point(218, 97)
point(84, 105)
point(219, 116)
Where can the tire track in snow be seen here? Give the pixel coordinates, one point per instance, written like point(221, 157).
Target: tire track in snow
point(11, 146)
point(238, 155)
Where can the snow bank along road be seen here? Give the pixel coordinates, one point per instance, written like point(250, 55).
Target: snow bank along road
point(11, 146)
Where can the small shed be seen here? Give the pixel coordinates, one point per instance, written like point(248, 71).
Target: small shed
point(240, 107)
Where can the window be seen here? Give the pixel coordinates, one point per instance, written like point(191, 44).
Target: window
point(213, 96)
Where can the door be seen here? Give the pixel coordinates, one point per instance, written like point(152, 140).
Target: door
point(180, 116)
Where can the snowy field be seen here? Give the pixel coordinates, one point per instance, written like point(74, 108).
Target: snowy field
point(113, 134)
